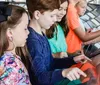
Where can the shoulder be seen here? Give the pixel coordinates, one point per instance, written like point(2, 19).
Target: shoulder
point(8, 63)
point(32, 33)
point(6, 59)
point(71, 8)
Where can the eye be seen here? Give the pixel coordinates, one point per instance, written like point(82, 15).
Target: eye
point(52, 16)
point(60, 9)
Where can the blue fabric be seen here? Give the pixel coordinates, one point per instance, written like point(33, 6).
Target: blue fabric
point(43, 63)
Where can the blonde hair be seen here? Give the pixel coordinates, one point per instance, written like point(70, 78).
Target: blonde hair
point(81, 2)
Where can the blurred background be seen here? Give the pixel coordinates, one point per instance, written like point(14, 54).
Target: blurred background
point(22, 2)
point(91, 19)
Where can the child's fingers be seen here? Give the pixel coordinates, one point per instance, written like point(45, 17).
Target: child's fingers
point(85, 60)
point(81, 72)
point(88, 59)
point(75, 74)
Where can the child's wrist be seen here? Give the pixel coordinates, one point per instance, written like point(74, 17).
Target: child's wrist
point(63, 73)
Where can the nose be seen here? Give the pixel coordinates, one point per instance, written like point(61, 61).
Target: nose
point(63, 12)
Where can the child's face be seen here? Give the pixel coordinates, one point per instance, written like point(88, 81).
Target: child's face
point(81, 7)
point(47, 19)
point(62, 11)
point(20, 32)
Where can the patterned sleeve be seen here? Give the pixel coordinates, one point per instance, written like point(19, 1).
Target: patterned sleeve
point(10, 75)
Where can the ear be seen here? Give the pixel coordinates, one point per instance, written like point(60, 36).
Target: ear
point(9, 33)
point(37, 14)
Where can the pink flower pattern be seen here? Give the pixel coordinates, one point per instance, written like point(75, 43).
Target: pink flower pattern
point(15, 72)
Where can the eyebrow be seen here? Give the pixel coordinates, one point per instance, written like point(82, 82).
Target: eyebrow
point(53, 13)
point(61, 7)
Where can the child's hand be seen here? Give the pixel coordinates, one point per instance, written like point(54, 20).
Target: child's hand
point(73, 73)
point(89, 30)
point(81, 58)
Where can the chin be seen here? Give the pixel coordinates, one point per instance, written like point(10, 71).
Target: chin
point(48, 28)
point(81, 15)
point(22, 45)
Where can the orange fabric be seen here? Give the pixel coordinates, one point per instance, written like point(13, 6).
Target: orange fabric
point(72, 40)
point(85, 80)
point(84, 68)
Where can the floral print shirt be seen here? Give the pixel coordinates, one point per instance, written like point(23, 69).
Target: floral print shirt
point(15, 72)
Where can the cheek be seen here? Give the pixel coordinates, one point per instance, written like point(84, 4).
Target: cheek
point(44, 20)
point(24, 35)
point(49, 19)
point(64, 12)
point(21, 35)
point(59, 13)
point(80, 11)
point(15, 36)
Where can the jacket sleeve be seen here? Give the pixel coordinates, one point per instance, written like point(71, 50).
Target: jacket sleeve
point(60, 63)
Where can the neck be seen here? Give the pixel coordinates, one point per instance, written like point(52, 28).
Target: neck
point(44, 31)
point(12, 51)
point(11, 48)
point(35, 25)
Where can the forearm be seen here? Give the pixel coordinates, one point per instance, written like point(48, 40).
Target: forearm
point(60, 63)
point(93, 35)
point(84, 36)
point(96, 40)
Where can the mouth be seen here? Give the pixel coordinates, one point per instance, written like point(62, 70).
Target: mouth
point(60, 16)
point(26, 39)
point(52, 24)
point(84, 11)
